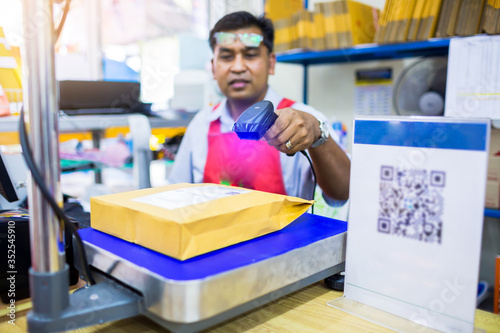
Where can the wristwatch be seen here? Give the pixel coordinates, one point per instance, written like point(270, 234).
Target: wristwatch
point(324, 135)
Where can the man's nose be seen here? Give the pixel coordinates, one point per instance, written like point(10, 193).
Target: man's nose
point(238, 64)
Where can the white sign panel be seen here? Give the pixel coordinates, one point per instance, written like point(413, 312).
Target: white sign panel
point(416, 216)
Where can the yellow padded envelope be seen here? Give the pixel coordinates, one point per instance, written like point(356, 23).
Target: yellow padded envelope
point(186, 220)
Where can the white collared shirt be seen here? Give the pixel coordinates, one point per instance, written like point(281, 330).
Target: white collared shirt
point(190, 160)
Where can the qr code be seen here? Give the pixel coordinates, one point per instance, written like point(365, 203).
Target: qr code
point(411, 203)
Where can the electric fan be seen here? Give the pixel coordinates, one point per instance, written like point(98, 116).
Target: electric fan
point(421, 88)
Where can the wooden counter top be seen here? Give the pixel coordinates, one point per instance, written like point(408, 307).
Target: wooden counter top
point(302, 311)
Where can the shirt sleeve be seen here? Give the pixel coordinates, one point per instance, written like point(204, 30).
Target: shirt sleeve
point(183, 163)
point(332, 202)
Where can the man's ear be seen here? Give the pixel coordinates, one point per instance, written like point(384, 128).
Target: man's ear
point(272, 62)
point(213, 69)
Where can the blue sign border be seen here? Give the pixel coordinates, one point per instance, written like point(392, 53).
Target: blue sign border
point(441, 135)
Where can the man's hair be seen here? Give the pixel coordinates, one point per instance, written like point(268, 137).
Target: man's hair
point(240, 20)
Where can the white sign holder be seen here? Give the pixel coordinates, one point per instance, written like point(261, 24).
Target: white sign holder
point(415, 226)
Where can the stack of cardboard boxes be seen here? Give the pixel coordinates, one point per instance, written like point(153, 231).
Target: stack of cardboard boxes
point(332, 25)
point(412, 20)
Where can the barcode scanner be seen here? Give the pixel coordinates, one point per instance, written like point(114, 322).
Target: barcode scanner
point(254, 122)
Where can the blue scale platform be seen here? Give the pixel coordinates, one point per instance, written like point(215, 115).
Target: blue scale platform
point(305, 230)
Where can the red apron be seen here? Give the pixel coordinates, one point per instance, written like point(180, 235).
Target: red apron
point(244, 163)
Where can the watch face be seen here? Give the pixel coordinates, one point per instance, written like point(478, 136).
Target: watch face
point(324, 131)
point(324, 135)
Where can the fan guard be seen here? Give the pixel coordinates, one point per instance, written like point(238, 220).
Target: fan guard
point(421, 87)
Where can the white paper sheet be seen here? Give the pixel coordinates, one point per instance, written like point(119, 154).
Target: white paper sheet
point(184, 197)
point(473, 80)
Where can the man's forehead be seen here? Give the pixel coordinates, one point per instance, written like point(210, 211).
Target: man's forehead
point(251, 29)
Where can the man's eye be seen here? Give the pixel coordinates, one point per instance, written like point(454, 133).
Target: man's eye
point(251, 54)
point(225, 56)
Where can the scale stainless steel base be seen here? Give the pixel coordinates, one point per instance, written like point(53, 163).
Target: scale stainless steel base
point(191, 295)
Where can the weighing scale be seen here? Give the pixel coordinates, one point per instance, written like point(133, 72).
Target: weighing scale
point(182, 296)
point(191, 295)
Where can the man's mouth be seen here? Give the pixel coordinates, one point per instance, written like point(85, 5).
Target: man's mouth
point(238, 84)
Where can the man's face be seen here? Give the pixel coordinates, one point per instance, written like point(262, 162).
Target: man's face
point(241, 71)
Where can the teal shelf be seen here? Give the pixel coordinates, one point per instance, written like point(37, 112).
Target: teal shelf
point(431, 47)
point(489, 212)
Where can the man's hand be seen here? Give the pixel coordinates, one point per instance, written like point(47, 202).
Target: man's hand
point(296, 130)
point(293, 131)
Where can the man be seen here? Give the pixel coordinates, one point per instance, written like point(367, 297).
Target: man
point(211, 153)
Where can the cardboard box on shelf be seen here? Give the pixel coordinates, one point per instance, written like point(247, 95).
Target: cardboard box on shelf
point(492, 194)
point(494, 168)
point(279, 9)
point(494, 141)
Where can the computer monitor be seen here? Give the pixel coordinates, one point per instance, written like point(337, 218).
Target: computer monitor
point(7, 187)
point(100, 97)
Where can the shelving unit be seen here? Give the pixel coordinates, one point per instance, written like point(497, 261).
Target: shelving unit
point(368, 52)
